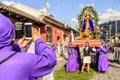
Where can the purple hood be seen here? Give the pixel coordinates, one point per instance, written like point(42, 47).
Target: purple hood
point(6, 31)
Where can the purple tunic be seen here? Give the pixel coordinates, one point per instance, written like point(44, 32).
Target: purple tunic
point(72, 63)
point(23, 66)
point(53, 49)
point(103, 59)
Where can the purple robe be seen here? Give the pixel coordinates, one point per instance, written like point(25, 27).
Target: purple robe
point(54, 49)
point(23, 66)
point(103, 59)
point(72, 63)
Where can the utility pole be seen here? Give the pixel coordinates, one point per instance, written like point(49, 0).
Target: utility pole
point(116, 27)
point(107, 35)
point(110, 27)
point(45, 6)
point(115, 17)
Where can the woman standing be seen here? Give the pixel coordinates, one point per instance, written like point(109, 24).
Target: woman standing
point(86, 57)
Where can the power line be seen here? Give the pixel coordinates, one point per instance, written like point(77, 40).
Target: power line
point(117, 4)
point(113, 4)
point(45, 6)
point(115, 7)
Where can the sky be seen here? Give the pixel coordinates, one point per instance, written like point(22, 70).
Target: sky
point(67, 11)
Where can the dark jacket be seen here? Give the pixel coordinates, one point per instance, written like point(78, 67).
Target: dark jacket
point(87, 52)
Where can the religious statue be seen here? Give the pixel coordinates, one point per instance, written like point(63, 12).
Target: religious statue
point(88, 24)
point(87, 29)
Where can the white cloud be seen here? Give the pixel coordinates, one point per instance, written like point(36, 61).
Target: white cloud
point(83, 5)
point(90, 5)
point(99, 13)
point(8, 2)
point(109, 15)
point(41, 10)
point(75, 22)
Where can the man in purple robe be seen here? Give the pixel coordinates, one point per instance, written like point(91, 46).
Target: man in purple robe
point(103, 58)
point(72, 64)
point(22, 65)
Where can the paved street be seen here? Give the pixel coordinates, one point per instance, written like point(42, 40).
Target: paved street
point(60, 63)
point(112, 74)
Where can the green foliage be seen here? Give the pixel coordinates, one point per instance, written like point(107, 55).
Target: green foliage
point(96, 36)
point(63, 75)
point(92, 12)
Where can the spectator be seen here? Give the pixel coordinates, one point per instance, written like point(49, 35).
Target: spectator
point(116, 53)
point(86, 57)
point(16, 65)
point(61, 50)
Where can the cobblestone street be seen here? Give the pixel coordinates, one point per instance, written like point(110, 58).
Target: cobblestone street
point(113, 72)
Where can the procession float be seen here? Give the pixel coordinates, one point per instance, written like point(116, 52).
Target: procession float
point(88, 28)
